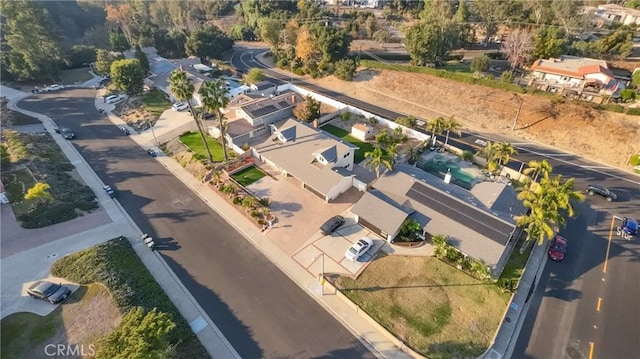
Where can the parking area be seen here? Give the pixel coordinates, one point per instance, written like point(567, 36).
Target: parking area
point(327, 253)
point(299, 212)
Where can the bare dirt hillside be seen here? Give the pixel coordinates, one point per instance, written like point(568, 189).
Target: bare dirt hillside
point(571, 126)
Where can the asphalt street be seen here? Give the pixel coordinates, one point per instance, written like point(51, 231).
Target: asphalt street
point(259, 310)
point(585, 306)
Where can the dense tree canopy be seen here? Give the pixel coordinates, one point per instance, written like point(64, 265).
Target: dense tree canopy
point(208, 42)
point(33, 48)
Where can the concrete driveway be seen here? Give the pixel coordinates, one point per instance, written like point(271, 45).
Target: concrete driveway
point(299, 212)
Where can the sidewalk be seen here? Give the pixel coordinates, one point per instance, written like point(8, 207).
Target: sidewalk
point(208, 333)
point(374, 339)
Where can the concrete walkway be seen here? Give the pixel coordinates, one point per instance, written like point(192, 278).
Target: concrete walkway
point(208, 333)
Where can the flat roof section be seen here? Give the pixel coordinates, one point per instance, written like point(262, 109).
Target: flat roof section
point(479, 221)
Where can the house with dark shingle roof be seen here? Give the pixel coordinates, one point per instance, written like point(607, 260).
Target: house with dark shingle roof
point(322, 163)
point(479, 223)
point(265, 111)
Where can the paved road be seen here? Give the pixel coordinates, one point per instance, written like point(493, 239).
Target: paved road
point(564, 321)
point(259, 310)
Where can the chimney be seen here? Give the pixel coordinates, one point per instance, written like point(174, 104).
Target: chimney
point(315, 123)
point(293, 98)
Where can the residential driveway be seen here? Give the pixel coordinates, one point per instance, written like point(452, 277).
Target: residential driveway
point(300, 213)
point(333, 248)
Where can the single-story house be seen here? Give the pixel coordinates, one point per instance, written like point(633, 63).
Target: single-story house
point(613, 13)
point(361, 131)
point(479, 222)
point(322, 163)
point(264, 88)
point(265, 111)
point(574, 72)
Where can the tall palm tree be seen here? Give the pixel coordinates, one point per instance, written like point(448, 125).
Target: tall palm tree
point(488, 152)
point(214, 99)
point(536, 168)
point(504, 151)
point(377, 158)
point(182, 88)
point(451, 125)
point(561, 194)
point(436, 126)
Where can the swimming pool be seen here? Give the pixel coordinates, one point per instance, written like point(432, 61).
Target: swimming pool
point(441, 165)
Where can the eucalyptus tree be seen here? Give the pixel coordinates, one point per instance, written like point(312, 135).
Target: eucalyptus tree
point(214, 99)
point(182, 88)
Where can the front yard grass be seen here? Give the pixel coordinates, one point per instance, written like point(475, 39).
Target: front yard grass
point(16, 184)
point(248, 175)
point(115, 265)
point(85, 317)
point(363, 147)
point(193, 140)
point(156, 102)
point(436, 309)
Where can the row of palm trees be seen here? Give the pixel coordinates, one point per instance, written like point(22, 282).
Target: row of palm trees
point(496, 154)
point(214, 99)
point(547, 200)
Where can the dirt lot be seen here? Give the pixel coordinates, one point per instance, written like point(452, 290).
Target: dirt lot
point(573, 126)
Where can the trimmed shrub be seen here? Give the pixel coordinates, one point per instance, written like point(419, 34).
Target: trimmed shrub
point(627, 95)
point(633, 111)
point(507, 76)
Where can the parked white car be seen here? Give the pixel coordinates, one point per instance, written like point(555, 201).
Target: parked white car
point(180, 106)
point(358, 249)
point(54, 88)
point(112, 99)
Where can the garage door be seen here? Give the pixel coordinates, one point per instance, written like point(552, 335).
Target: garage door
point(315, 192)
point(372, 228)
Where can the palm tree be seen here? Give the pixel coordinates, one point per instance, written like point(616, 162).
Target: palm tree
point(537, 168)
point(413, 154)
point(214, 99)
point(488, 152)
point(503, 152)
point(378, 158)
point(182, 88)
point(436, 126)
point(561, 194)
point(451, 125)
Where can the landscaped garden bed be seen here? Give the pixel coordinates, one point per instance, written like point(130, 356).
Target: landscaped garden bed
point(142, 112)
point(115, 265)
point(30, 160)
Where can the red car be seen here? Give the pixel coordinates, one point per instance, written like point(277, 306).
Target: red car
point(558, 248)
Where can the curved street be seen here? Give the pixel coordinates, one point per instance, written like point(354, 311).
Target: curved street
point(261, 312)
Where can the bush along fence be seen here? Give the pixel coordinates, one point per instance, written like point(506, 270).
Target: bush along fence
point(255, 208)
point(451, 255)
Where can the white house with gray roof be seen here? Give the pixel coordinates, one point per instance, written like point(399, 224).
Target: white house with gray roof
point(322, 163)
point(479, 222)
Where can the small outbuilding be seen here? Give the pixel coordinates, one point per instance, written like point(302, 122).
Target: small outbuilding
point(361, 131)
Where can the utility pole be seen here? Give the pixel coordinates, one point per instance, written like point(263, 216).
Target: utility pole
point(515, 118)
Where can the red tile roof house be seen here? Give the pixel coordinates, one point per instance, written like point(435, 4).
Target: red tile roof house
point(576, 75)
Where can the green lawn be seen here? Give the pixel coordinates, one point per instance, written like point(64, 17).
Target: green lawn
point(436, 309)
point(193, 140)
point(248, 175)
point(456, 66)
point(156, 102)
point(515, 265)
point(363, 147)
point(70, 77)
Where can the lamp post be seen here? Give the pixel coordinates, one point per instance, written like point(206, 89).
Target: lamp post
point(155, 140)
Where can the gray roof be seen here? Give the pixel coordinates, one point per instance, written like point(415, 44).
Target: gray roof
point(288, 133)
point(265, 106)
point(263, 85)
point(381, 210)
point(297, 156)
point(473, 228)
point(330, 154)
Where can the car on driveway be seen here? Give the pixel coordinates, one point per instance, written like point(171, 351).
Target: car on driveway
point(358, 249)
point(603, 191)
point(179, 106)
point(331, 225)
point(558, 248)
point(53, 88)
point(67, 133)
point(51, 292)
point(112, 99)
point(629, 226)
